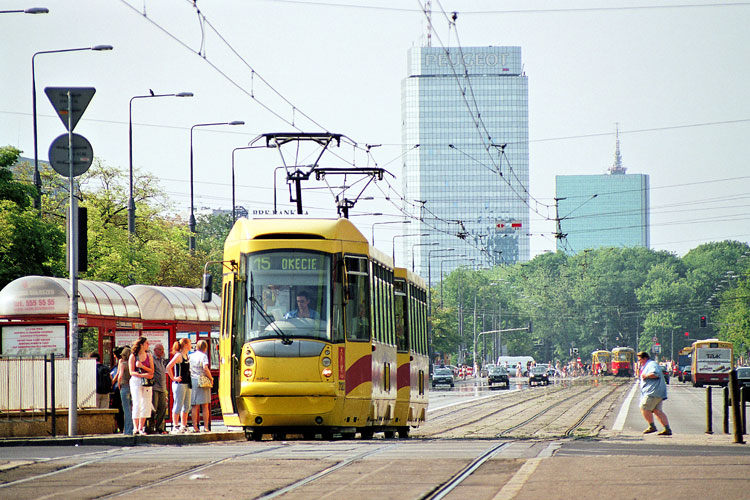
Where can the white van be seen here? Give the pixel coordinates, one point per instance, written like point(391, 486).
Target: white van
point(513, 362)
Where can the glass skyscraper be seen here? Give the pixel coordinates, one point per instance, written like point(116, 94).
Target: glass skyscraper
point(466, 158)
point(609, 210)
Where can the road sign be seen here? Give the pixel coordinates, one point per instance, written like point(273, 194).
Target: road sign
point(83, 155)
point(81, 97)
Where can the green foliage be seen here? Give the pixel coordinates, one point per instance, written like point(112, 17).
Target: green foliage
point(599, 299)
point(28, 245)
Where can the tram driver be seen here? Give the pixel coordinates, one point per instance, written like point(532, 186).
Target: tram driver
point(303, 308)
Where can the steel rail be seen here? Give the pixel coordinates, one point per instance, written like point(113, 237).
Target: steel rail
point(108, 455)
point(575, 426)
point(445, 488)
point(324, 472)
point(542, 412)
point(184, 473)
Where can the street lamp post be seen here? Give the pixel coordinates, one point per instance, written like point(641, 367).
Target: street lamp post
point(429, 297)
point(131, 200)
point(387, 222)
point(434, 243)
point(403, 236)
point(37, 177)
point(191, 223)
point(457, 257)
point(30, 10)
point(234, 203)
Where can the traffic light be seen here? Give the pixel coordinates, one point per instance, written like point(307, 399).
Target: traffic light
point(687, 334)
point(704, 322)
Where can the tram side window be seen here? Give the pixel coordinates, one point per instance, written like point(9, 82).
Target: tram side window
point(400, 316)
point(357, 313)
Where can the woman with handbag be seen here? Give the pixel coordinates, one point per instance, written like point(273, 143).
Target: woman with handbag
point(141, 365)
point(178, 370)
point(202, 381)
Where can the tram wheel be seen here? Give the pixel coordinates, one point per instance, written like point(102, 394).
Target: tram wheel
point(367, 433)
point(308, 436)
point(389, 434)
point(248, 433)
point(403, 432)
point(348, 435)
point(257, 435)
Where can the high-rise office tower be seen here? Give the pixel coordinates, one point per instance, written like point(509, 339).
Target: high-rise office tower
point(466, 157)
point(608, 210)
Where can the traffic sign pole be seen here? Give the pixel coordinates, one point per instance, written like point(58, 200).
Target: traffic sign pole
point(73, 253)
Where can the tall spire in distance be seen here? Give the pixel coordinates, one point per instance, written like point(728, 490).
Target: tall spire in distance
point(617, 168)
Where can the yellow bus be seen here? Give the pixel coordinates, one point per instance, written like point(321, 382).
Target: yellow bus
point(713, 359)
point(312, 340)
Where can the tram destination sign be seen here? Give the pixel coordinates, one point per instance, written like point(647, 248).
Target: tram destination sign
point(59, 158)
point(288, 262)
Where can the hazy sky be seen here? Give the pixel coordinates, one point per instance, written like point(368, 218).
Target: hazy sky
point(673, 74)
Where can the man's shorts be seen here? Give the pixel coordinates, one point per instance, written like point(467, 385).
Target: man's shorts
point(651, 403)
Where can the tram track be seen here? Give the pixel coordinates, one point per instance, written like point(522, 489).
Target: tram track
point(553, 406)
point(570, 430)
point(185, 473)
point(442, 490)
point(106, 455)
point(458, 415)
point(325, 472)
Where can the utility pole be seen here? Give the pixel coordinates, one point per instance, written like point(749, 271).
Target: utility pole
point(474, 344)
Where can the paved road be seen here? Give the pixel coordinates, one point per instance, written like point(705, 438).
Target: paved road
point(621, 463)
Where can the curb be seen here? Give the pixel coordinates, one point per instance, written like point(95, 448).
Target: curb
point(122, 440)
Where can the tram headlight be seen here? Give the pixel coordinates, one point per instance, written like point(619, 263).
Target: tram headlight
point(249, 361)
point(327, 372)
point(326, 361)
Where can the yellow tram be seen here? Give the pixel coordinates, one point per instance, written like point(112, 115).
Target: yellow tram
point(600, 362)
point(319, 335)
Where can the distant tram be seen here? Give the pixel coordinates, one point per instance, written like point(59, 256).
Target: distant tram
point(712, 361)
point(600, 362)
point(623, 362)
point(320, 335)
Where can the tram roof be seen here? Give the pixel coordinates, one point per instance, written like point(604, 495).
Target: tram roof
point(44, 295)
point(329, 229)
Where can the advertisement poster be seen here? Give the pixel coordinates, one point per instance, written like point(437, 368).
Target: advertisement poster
point(33, 340)
point(713, 360)
point(128, 338)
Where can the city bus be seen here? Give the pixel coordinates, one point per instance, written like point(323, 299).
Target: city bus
point(713, 359)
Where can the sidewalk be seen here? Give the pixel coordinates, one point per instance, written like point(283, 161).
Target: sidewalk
point(219, 434)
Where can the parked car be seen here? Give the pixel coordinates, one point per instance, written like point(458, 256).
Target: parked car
point(442, 376)
point(743, 376)
point(538, 375)
point(665, 372)
point(687, 374)
point(497, 375)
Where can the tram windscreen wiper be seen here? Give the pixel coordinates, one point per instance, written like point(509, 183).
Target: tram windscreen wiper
point(270, 320)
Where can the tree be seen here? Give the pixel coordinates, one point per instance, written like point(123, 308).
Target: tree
point(28, 245)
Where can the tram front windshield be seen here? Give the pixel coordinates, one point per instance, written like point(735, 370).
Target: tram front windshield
point(288, 295)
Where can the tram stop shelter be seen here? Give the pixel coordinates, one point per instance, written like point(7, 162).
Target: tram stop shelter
point(34, 317)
